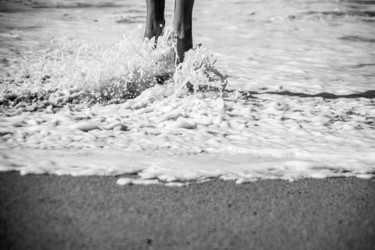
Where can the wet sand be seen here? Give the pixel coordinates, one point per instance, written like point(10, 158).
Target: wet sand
point(52, 212)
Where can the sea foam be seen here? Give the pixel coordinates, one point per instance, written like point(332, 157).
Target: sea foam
point(126, 108)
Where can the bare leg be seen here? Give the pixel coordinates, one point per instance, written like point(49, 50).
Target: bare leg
point(183, 27)
point(155, 18)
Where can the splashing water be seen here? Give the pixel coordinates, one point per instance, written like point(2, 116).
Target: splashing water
point(110, 73)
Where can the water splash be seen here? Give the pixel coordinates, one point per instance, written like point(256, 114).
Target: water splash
point(109, 73)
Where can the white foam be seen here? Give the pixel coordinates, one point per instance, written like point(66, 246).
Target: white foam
point(172, 137)
point(193, 138)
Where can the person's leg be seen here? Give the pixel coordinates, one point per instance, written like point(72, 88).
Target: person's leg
point(155, 18)
point(183, 27)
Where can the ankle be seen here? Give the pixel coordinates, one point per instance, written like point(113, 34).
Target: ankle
point(154, 29)
point(183, 31)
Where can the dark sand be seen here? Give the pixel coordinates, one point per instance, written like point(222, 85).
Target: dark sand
point(51, 212)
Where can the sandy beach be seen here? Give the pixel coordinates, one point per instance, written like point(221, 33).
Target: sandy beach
point(52, 212)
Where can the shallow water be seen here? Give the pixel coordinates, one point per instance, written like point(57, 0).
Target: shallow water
point(298, 46)
point(308, 67)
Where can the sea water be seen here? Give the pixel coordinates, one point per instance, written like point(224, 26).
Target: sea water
point(278, 90)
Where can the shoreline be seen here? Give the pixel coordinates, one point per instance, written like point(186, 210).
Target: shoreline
point(64, 212)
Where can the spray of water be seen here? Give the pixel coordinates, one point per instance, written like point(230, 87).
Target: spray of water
point(110, 73)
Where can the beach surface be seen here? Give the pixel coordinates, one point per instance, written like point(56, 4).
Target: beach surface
point(60, 212)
